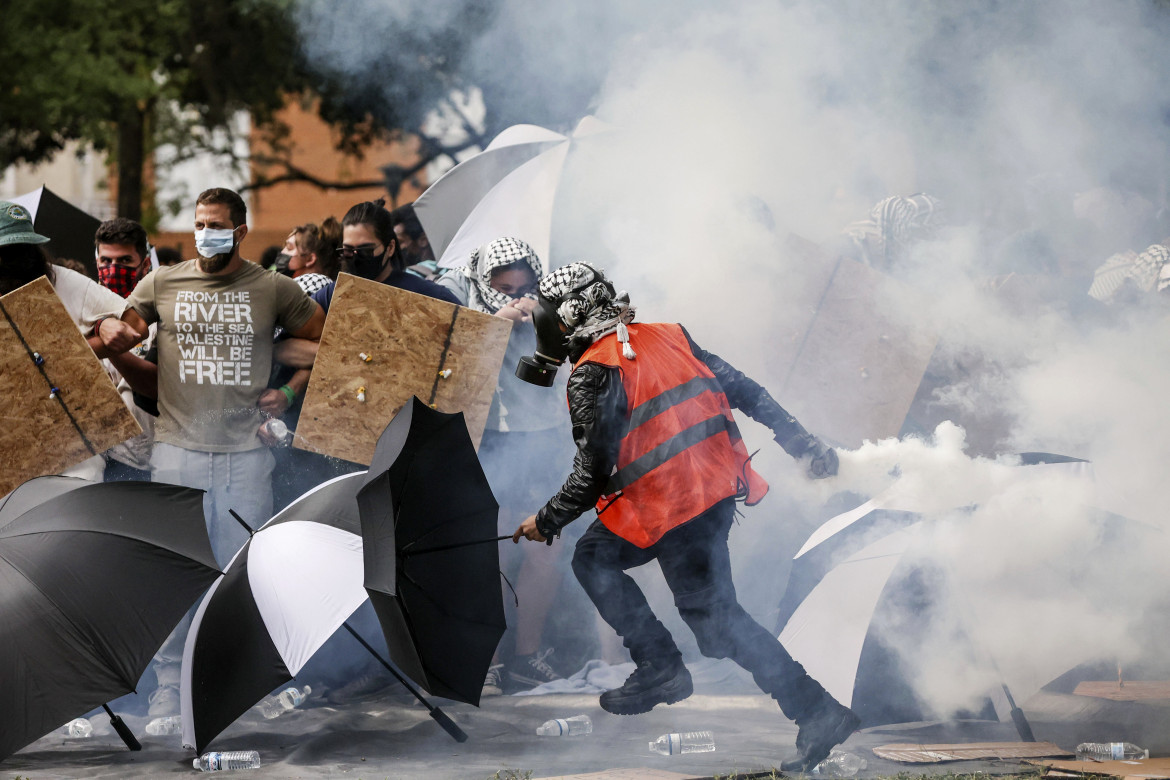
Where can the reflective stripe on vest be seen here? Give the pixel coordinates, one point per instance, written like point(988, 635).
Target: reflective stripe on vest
point(681, 452)
point(683, 440)
point(655, 406)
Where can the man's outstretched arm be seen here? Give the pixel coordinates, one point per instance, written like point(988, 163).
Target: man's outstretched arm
point(755, 401)
point(113, 336)
point(597, 407)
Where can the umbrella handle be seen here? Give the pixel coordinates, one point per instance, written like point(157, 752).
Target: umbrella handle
point(458, 734)
point(123, 730)
point(1023, 728)
point(407, 552)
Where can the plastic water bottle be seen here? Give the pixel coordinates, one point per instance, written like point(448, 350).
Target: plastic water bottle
point(233, 759)
point(275, 706)
point(840, 764)
point(278, 430)
point(1110, 751)
point(576, 726)
point(161, 727)
point(687, 742)
point(78, 728)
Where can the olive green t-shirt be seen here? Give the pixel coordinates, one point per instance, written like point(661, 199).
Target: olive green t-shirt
point(215, 349)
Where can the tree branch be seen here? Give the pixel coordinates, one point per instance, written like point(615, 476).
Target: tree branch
point(431, 150)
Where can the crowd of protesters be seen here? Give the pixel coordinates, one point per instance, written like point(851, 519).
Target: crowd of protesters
point(203, 418)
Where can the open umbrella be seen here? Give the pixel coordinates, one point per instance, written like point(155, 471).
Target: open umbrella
point(70, 229)
point(290, 587)
point(93, 577)
point(431, 563)
point(506, 190)
point(852, 575)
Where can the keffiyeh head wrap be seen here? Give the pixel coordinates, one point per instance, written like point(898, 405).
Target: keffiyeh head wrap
point(486, 260)
point(1145, 271)
point(588, 305)
point(896, 222)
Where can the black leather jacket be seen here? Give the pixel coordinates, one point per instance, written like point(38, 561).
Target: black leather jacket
point(599, 412)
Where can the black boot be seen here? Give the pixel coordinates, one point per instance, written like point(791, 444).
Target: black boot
point(662, 681)
point(828, 725)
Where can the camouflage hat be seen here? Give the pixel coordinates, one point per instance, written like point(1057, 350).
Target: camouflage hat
point(16, 225)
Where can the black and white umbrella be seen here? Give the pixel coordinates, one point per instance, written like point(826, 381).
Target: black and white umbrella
point(288, 589)
point(285, 592)
point(93, 577)
point(508, 189)
point(852, 576)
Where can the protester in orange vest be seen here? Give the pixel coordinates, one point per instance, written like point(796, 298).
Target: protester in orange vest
point(660, 458)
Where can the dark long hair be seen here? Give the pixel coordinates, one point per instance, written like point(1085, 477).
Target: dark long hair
point(21, 264)
point(374, 214)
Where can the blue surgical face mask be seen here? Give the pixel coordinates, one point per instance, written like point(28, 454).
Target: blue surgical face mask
point(210, 242)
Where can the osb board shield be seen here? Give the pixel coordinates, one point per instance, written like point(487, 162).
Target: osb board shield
point(447, 355)
point(41, 432)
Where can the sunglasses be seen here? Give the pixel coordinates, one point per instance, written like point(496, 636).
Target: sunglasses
point(350, 252)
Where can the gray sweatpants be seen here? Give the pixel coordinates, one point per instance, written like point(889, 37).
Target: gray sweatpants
point(233, 480)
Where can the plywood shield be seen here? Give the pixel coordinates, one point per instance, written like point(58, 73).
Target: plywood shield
point(447, 355)
point(40, 434)
point(851, 358)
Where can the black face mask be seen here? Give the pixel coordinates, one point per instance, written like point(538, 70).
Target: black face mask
point(366, 264)
point(281, 264)
point(552, 346)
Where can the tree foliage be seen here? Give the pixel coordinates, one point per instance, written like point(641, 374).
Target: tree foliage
point(127, 75)
point(99, 71)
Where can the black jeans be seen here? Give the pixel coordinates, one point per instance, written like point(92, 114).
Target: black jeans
point(697, 567)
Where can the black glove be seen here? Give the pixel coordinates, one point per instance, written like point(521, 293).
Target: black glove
point(823, 459)
point(824, 462)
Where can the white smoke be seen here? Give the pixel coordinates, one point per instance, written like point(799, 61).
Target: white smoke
point(1032, 122)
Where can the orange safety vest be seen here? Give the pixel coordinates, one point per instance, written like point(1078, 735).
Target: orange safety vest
point(682, 452)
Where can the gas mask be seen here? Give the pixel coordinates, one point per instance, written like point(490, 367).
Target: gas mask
point(552, 346)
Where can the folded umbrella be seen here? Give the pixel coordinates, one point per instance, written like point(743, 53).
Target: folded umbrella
point(432, 567)
point(93, 577)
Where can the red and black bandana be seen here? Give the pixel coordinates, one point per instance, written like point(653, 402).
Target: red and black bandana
point(120, 278)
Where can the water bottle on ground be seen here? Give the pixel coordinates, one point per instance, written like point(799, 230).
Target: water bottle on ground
point(687, 742)
point(576, 726)
point(161, 727)
point(840, 764)
point(275, 706)
point(78, 728)
point(232, 759)
point(1110, 751)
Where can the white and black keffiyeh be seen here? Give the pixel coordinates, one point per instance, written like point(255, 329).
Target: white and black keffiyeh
point(311, 283)
point(587, 304)
point(895, 222)
point(483, 263)
point(1145, 271)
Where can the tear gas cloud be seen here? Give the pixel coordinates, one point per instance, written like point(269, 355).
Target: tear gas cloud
point(1042, 129)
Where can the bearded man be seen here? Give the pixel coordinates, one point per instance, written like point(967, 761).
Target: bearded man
point(215, 317)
